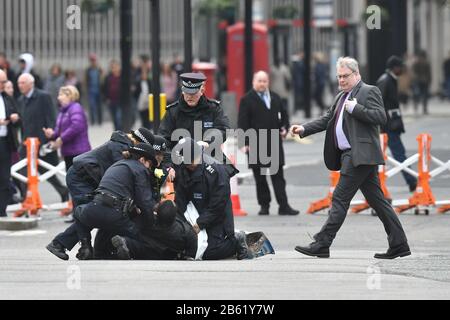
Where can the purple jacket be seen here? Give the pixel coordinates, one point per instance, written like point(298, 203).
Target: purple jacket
point(72, 127)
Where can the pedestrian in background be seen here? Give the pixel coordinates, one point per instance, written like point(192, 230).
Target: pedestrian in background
point(394, 127)
point(421, 81)
point(54, 82)
point(93, 80)
point(262, 109)
point(447, 75)
point(71, 131)
point(112, 92)
point(8, 144)
point(169, 81)
point(143, 87)
point(298, 71)
point(281, 81)
point(320, 79)
point(37, 111)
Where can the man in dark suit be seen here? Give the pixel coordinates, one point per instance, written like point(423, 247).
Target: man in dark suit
point(37, 111)
point(8, 143)
point(261, 109)
point(352, 146)
point(394, 127)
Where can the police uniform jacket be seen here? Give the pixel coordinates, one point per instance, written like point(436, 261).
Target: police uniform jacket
point(93, 164)
point(208, 187)
point(180, 116)
point(130, 179)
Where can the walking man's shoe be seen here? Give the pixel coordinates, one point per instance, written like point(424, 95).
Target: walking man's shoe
point(314, 250)
point(396, 252)
point(58, 250)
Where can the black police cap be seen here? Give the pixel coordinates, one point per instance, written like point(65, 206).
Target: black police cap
point(144, 150)
point(160, 144)
point(144, 135)
point(192, 82)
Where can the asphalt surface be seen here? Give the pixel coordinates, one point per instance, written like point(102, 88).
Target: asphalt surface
point(28, 271)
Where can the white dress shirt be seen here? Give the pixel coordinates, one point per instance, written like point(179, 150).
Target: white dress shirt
point(3, 128)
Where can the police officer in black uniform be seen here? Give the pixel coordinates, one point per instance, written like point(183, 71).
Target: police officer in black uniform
point(205, 182)
point(86, 172)
point(103, 248)
point(168, 239)
point(194, 106)
point(88, 168)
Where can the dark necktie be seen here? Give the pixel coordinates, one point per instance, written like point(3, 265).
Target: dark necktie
point(338, 112)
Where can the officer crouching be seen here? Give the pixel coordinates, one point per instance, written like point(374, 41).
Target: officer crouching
point(123, 191)
point(200, 179)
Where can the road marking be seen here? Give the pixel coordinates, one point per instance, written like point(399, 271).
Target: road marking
point(22, 233)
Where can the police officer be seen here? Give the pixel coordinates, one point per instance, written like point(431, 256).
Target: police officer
point(206, 183)
point(122, 192)
point(89, 167)
point(168, 239)
point(86, 172)
point(103, 248)
point(194, 106)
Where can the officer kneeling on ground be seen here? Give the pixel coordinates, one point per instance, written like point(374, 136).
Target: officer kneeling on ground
point(204, 182)
point(170, 238)
point(122, 192)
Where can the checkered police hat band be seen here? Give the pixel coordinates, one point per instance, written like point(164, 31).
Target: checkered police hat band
point(140, 136)
point(192, 85)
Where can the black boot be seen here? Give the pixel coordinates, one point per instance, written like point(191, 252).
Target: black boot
point(123, 253)
point(86, 252)
point(242, 251)
point(58, 250)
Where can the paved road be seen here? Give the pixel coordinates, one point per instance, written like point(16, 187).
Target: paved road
point(28, 271)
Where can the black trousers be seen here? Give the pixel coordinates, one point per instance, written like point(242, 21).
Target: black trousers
point(5, 175)
point(220, 245)
point(263, 191)
point(365, 178)
point(102, 217)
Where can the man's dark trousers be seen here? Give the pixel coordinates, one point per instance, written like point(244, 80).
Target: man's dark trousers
point(365, 178)
point(263, 191)
point(5, 174)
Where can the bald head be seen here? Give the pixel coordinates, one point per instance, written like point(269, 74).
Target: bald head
point(3, 80)
point(25, 83)
point(261, 81)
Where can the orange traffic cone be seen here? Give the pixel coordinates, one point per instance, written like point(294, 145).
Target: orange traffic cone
point(325, 202)
point(32, 203)
point(423, 196)
point(237, 210)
